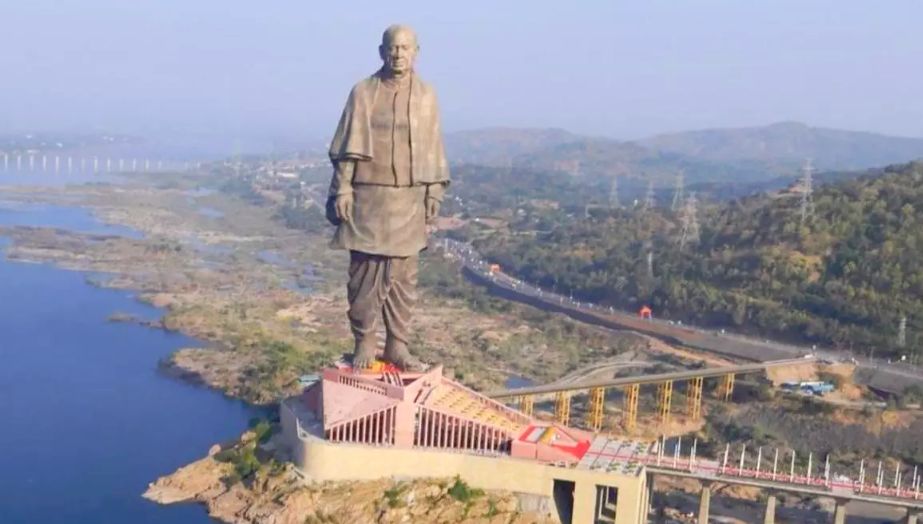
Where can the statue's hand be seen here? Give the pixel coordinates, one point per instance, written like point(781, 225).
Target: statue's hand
point(432, 209)
point(344, 207)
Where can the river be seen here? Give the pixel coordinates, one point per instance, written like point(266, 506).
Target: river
point(86, 420)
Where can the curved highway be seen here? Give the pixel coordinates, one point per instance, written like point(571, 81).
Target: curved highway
point(890, 378)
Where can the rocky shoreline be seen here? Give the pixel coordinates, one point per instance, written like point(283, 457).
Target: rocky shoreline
point(275, 494)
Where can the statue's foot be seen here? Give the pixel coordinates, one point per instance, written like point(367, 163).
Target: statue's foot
point(364, 356)
point(398, 354)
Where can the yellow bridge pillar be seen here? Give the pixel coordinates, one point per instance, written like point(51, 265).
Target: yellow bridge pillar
point(526, 404)
point(727, 387)
point(694, 398)
point(664, 399)
point(594, 416)
point(562, 407)
point(631, 406)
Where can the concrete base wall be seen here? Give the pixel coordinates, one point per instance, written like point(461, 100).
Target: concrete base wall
point(319, 460)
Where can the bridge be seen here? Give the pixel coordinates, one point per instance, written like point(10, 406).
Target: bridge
point(695, 379)
point(30, 162)
point(768, 473)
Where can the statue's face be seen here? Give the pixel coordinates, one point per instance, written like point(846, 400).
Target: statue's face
point(399, 52)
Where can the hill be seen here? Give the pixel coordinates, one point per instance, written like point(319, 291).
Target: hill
point(783, 147)
point(598, 158)
point(748, 157)
point(843, 278)
point(499, 146)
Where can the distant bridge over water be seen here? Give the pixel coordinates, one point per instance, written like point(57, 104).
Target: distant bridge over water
point(49, 163)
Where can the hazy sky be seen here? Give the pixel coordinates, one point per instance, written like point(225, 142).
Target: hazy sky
point(283, 68)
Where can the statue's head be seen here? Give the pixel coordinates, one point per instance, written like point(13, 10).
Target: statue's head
point(398, 49)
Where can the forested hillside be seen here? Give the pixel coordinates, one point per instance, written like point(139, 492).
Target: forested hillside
point(845, 277)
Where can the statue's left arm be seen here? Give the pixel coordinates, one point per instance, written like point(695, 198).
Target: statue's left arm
point(434, 195)
point(435, 190)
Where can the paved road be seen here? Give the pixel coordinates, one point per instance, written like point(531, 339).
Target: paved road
point(892, 378)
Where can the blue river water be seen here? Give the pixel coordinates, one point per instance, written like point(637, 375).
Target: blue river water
point(86, 420)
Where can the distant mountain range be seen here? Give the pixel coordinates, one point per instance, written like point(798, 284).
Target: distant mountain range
point(498, 146)
point(741, 155)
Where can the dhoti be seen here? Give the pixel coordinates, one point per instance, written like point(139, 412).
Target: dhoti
point(381, 287)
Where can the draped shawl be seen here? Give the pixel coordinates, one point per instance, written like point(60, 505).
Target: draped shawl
point(353, 137)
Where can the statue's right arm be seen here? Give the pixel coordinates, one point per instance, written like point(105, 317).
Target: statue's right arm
point(342, 182)
point(341, 188)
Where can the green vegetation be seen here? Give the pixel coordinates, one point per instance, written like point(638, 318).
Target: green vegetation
point(262, 430)
point(464, 493)
point(281, 363)
point(807, 424)
point(244, 460)
point(393, 496)
point(844, 278)
point(491, 508)
point(246, 457)
point(913, 393)
point(445, 280)
point(308, 218)
point(540, 345)
point(243, 188)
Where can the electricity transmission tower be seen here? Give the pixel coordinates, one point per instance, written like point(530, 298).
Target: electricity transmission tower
point(807, 191)
point(614, 194)
point(902, 332)
point(690, 221)
point(649, 196)
point(679, 194)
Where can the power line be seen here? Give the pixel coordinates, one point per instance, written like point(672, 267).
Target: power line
point(649, 201)
point(614, 194)
point(807, 191)
point(679, 193)
point(690, 222)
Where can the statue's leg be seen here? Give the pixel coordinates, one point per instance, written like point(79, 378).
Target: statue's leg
point(365, 292)
point(398, 311)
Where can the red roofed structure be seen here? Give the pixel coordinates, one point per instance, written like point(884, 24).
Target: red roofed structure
point(428, 410)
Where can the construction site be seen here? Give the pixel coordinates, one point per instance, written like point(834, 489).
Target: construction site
point(373, 424)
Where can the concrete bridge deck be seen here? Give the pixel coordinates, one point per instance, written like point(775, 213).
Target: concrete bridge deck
point(650, 379)
point(839, 491)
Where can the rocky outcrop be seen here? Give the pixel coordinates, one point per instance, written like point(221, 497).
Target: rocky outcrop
point(275, 494)
point(198, 481)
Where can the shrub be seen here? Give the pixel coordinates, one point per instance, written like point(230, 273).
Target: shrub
point(262, 430)
point(393, 496)
point(462, 492)
point(246, 463)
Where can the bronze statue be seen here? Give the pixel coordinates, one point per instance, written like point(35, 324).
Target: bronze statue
point(390, 174)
